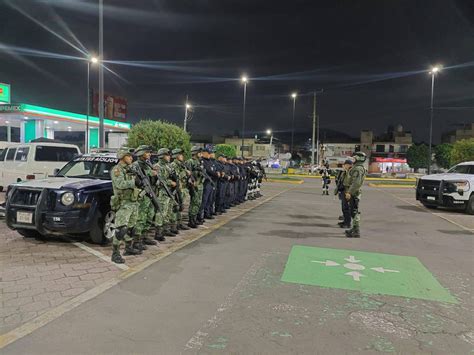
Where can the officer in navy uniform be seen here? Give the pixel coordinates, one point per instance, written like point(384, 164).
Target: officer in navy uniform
point(218, 169)
point(209, 184)
point(221, 184)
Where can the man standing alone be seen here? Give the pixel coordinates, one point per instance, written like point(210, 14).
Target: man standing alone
point(353, 193)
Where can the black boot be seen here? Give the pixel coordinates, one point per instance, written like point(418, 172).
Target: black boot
point(174, 229)
point(192, 222)
point(183, 227)
point(353, 233)
point(199, 221)
point(149, 241)
point(116, 257)
point(139, 245)
point(341, 218)
point(209, 217)
point(130, 250)
point(159, 234)
point(343, 225)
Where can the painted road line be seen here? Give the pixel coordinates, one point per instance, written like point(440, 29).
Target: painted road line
point(427, 210)
point(38, 322)
point(95, 253)
point(99, 255)
point(372, 273)
point(392, 186)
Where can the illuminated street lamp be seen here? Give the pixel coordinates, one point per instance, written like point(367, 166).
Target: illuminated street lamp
point(270, 133)
point(293, 96)
point(436, 69)
point(91, 60)
point(187, 107)
point(244, 81)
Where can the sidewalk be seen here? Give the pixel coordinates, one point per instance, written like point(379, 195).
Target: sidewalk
point(38, 275)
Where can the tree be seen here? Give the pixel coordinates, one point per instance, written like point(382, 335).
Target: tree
point(443, 155)
point(463, 150)
point(226, 149)
point(417, 156)
point(159, 134)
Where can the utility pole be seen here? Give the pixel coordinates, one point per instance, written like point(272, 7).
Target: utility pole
point(101, 76)
point(314, 131)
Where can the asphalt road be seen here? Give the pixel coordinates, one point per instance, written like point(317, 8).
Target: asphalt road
point(225, 294)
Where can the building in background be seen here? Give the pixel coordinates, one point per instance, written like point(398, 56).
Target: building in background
point(22, 123)
point(253, 147)
point(466, 131)
point(386, 153)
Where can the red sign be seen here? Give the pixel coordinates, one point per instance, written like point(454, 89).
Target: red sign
point(115, 107)
point(389, 160)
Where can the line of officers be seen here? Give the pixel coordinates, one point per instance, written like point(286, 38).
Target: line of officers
point(149, 199)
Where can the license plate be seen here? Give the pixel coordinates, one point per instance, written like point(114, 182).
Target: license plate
point(24, 217)
point(431, 198)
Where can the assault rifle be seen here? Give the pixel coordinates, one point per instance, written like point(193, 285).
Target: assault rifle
point(145, 182)
point(207, 177)
point(177, 190)
point(164, 185)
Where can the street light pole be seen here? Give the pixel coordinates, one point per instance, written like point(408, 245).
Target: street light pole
point(92, 60)
point(244, 81)
point(101, 76)
point(293, 96)
point(270, 133)
point(186, 108)
point(433, 72)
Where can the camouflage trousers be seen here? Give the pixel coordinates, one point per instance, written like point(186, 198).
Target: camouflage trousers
point(126, 215)
point(185, 201)
point(196, 200)
point(146, 214)
point(162, 217)
point(355, 213)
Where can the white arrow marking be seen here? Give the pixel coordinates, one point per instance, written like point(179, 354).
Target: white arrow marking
point(352, 259)
point(355, 275)
point(382, 270)
point(327, 262)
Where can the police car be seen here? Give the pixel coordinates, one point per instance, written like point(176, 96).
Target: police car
point(74, 202)
point(454, 189)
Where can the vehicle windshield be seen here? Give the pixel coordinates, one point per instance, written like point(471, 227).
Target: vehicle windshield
point(462, 169)
point(98, 168)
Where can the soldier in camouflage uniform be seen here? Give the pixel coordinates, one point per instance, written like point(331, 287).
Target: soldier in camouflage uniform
point(194, 165)
point(182, 193)
point(146, 211)
point(353, 193)
point(164, 217)
point(125, 204)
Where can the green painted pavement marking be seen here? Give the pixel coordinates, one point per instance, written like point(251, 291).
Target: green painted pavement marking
point(366, 272)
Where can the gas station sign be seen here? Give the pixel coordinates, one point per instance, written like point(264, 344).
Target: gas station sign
point(5, 93)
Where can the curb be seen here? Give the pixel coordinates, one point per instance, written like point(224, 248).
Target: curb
point(392, 186)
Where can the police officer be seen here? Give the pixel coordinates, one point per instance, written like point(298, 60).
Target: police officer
point(196, 188)
point(146, 211)
point(182, 192)
point(219, 171)
point(356, 180)
point(210, 178)
point(163, 217)
point(125, 204)
point(221, 184)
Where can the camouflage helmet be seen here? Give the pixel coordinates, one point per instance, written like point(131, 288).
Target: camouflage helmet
point(195, 149)
point(142, 150)
point(123, 151)
point(359, 157)
point(162, 152)
point(176, 152)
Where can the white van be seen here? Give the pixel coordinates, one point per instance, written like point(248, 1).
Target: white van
point(28, 161)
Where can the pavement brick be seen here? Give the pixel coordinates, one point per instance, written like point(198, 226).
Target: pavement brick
point(17, 302)
point(73, 292)
point(35, 306)
point(47, 296)
point(75, 273)
point(98, 270)
point(14, 318)
point(53, 277)
point(60, 287)
point(90, 277)
point(31, 292)
point(16, 288)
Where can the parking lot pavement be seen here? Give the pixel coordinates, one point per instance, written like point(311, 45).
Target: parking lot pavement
point(459, 218)
point(38, 275)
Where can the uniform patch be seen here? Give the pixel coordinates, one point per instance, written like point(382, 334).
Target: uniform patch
point(117, 172)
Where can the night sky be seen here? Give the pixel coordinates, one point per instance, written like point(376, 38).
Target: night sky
point(370, 57)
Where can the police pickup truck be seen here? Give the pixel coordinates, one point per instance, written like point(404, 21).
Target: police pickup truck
point(74, 202)
point(454, 189)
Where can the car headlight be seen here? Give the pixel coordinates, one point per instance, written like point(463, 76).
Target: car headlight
point(67, 199)
point(462, 185)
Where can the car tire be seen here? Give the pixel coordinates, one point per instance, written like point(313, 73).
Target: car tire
point(470, 205)
point(28, 233)
point(431, 207)
point(96, 234)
